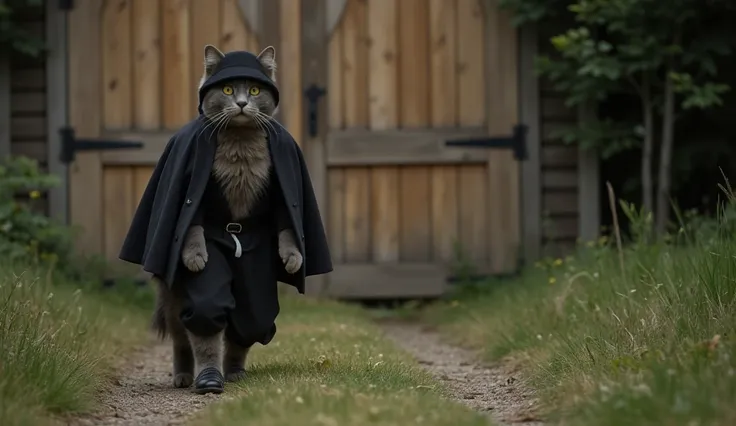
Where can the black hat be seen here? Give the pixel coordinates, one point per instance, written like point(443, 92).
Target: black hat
point(239, 65)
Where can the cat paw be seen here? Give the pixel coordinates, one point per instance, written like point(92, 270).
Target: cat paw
point(194, 254)
point(183, 380)
point(292, 260)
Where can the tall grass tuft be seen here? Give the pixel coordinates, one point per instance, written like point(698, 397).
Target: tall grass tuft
point(651, 343)
point(53, 338)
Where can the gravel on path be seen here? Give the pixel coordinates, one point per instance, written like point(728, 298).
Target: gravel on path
point(495, 390)
point(142, 393)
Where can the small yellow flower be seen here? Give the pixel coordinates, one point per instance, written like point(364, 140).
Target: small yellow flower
point(558, 262)
point(552, 280)
point(454, 303)
point(35, 194)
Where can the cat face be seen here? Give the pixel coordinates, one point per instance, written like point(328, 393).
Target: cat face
point(240, 103)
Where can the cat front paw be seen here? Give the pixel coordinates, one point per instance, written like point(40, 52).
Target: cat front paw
point(292, 260)
point(289, 252)
point(194, 254)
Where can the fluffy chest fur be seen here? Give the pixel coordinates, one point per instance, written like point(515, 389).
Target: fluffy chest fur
point(242, 166)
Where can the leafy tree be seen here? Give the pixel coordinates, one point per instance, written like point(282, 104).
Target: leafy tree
point(13, 35)
point(662, 52)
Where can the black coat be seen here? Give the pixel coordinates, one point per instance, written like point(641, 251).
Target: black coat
point(177, 185)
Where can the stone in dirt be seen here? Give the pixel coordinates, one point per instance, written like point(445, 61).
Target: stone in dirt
point(488, 389)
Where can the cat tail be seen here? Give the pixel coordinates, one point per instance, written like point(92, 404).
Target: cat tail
point(158, 321)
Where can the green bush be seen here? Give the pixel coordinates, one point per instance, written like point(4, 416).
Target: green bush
point(24, 232)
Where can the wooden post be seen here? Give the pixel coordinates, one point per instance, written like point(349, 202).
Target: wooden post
point(531, 186)
point(4, 104)
point(588, 185)
point(56, 107)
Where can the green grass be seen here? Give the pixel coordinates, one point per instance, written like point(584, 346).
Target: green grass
point(329, 365)
point(652, 344)
point(57, 339)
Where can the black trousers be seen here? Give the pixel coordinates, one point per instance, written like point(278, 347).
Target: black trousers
point(239, 295)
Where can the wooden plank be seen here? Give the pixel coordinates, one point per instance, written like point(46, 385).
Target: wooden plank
point(560, 202)
point(141, 176)
point(234, 34)
point(314, 70)
point(147, 64)
point(206, 14)
point(116, 65)
point(35, 149)
point(85, 175)
point(385, 204)
point(471, 64)
point(27, 103)
point(336, 214)
point(25, 128)
point(355, 71)
point(357, 212)
point(5, 105)
point(383, 79)
point(416, 202)
point(554, 108)
point(444, 215)
point(250, 10)
point(28, 79)
point(589, 182)
point(561, 227)
point(386, 281)
point(178, 91)
point(532, 177)
point(270, 33)
point(292, 96)
point(333, 14)
point(56, 106)
point(415, 64)
point(335, 98)
point(118, 207)
point(560, 179)
point(420, 146)
point(443, 33)
point(559, 156)
point(503, 114)
point(473, 214)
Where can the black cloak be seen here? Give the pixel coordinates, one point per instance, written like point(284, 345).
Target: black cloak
point(176, 187)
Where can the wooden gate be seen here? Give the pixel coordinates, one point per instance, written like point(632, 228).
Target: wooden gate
point(134, 69)
point(403, 77)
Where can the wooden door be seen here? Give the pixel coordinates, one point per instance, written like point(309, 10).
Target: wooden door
point(404, 76)
point(134, 69)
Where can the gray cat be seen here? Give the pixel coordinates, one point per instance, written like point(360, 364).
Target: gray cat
point(242, 165)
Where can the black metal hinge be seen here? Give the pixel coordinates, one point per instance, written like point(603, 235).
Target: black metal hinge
point(66, 4)
point(515, 142)
point(313, 93)
point(70, 145)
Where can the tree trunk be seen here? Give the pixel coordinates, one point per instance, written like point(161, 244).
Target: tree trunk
point(648, 148)
point(665, 158)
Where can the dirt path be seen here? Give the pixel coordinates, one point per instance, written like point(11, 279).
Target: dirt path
point(494, 390)
point(142, 393)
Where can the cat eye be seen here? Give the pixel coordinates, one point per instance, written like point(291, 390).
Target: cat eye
point(228, 90)
point(254, 91)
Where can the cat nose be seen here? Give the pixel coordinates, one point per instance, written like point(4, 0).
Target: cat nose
point(241, 104)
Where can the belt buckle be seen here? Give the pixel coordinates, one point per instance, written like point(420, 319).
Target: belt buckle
point(234, 228)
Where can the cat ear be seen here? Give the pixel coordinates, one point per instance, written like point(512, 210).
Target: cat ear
point(267, 57)
point(212, 58)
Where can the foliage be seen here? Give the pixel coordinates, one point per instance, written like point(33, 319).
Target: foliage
point(648, 343)
point(25, 233)
point(13, 34)
point(54, 336)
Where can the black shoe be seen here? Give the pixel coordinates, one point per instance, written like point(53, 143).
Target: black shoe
point(209, 380)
